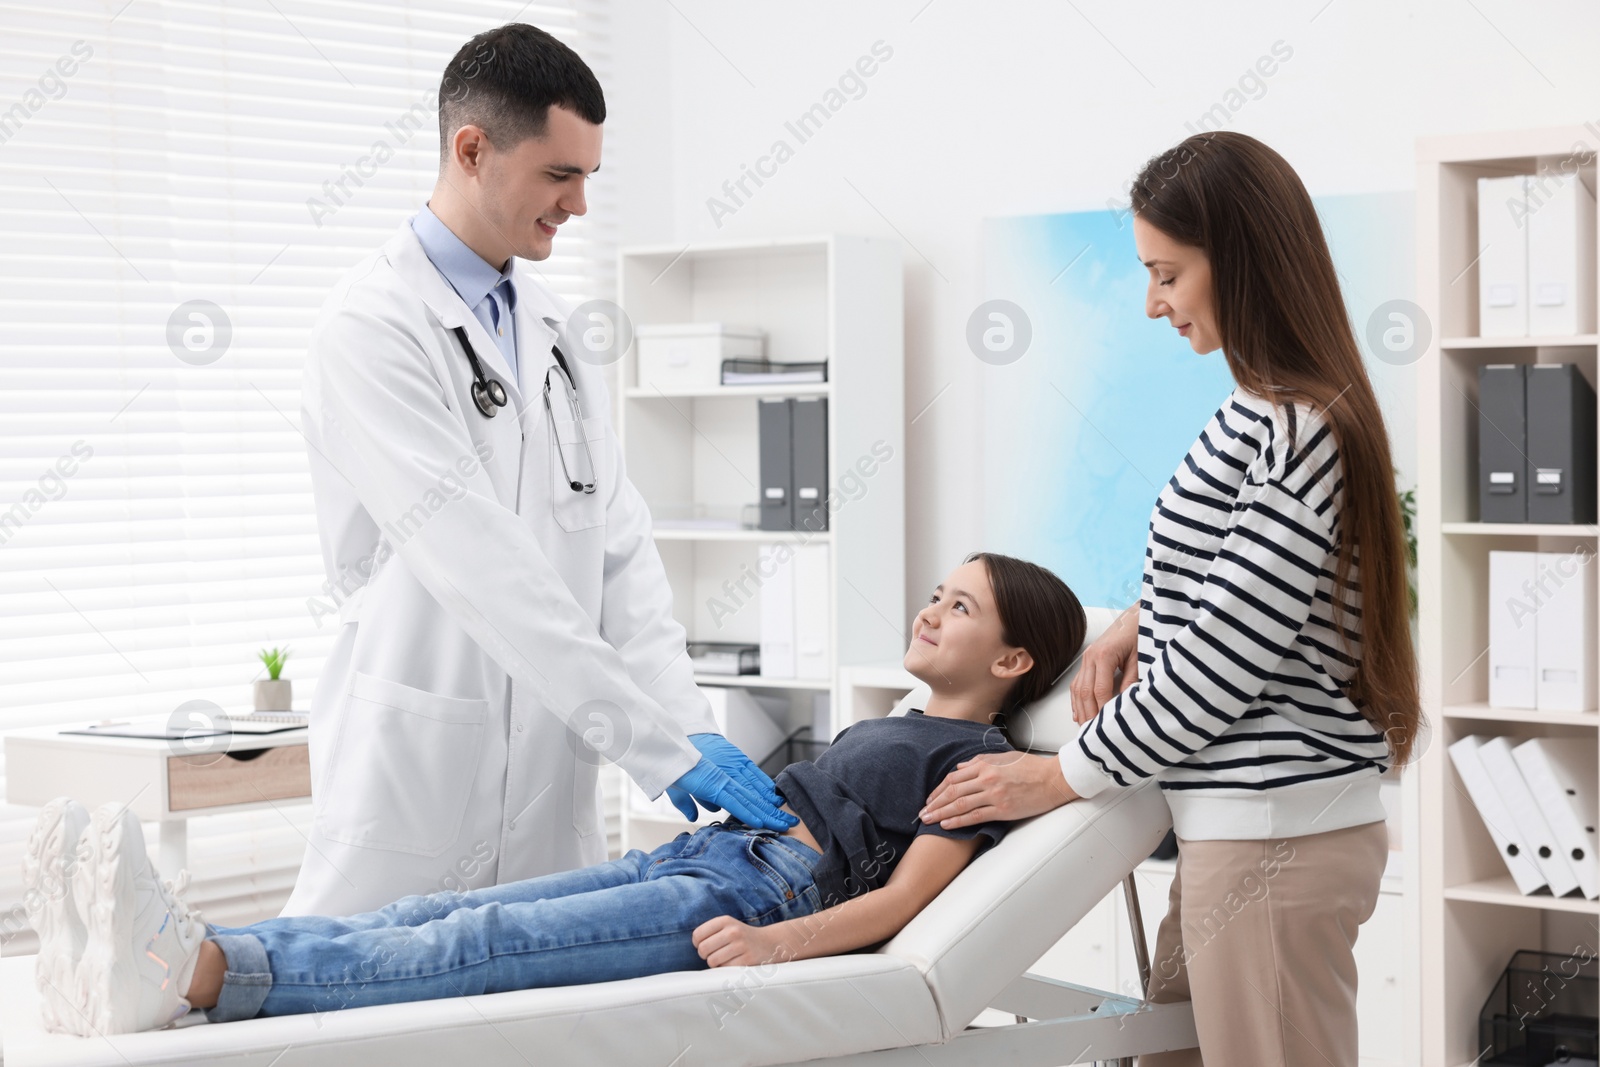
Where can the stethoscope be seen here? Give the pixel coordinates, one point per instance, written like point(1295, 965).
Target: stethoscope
point(490, 396)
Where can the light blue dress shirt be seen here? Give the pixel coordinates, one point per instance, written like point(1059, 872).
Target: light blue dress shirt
point(488, 292)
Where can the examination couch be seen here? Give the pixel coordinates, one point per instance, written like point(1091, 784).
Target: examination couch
point(912, 1001)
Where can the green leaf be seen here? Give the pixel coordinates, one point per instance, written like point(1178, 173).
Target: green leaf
point(1408, 516)
point(274, 660)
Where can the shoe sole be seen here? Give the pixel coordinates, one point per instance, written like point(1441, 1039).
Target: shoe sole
point(106, 966)
point(49, 851)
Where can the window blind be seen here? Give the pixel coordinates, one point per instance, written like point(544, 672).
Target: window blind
point(183, 182)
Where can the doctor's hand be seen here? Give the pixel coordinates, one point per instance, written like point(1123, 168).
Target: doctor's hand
point(1116, 649)
point(711, 786)
point(997, 786)
point(736, 765)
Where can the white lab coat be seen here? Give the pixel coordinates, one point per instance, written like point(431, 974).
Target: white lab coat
point(484, 607)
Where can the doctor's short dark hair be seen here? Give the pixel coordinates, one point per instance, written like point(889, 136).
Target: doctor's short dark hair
point(504, 81)
point(1038, 612)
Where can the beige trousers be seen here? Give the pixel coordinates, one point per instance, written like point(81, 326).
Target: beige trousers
point(1259, 936)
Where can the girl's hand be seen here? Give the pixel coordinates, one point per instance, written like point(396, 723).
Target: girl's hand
point(1116, 649)
point(725, 942)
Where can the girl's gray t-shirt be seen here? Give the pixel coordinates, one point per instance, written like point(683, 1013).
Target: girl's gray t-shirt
point(860, 797)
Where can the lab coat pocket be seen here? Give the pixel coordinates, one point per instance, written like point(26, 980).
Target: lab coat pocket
point(402, 767)
point(575, 510)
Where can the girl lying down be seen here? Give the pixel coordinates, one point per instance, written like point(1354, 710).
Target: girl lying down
point(121, 951)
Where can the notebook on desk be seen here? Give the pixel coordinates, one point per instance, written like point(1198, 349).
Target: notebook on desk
point(265, 722)
point(159, 730)
point(162, 728)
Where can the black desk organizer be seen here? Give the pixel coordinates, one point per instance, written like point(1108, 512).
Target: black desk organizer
point(1543, 1010)
point(796, 747)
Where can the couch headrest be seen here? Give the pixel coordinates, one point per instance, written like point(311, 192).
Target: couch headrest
point(1008, 906)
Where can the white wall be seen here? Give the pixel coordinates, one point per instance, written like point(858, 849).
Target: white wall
point(1005, 108)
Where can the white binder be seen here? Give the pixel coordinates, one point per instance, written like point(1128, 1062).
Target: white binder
point(1496, 817)
point(1531, 825)
point(1560, 772)
point(777, 610)
point(1565, 629)
point(813, 629)
point(1513, 618)
point(1561, 248)
point(1502, 257)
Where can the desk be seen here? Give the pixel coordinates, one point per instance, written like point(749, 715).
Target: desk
point(164, 782)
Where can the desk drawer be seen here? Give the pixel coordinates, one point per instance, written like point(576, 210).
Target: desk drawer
point(247, 777)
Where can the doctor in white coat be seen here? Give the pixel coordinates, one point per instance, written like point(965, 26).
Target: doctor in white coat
point(505, 621)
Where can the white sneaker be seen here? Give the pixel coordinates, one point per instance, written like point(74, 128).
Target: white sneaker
point(143, 939)
point(47, 896)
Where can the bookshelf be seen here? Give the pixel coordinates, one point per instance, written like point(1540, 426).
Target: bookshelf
point(1470, 916)
point(693, 455)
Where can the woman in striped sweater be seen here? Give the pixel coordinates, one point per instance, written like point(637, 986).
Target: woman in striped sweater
point(1267, 675)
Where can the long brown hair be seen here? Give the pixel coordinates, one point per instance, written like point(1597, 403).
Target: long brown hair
point(1287, 337)
point(1038, 612)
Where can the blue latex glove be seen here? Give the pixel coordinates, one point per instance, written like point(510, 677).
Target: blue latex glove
point(714, 787)
point(736, 765)
point(710, 784)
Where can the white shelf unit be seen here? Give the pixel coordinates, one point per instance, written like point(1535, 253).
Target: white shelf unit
point(694, 453)
point(1470, 914)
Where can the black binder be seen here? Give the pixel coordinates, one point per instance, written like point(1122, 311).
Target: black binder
point(775, 429)
point(1561, 445)
point(1502, 443)
point(810, 463)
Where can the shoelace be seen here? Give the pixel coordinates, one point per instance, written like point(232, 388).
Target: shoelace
point(172, 894)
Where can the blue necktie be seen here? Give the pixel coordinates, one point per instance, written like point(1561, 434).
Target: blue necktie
point(501, 300)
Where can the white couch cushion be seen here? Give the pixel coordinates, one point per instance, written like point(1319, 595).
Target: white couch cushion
point(1011, 904)
point(724, 1017)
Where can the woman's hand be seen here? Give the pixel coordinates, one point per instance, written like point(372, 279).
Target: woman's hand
point(726, 942)
point(997, 786)
point(1116, 649)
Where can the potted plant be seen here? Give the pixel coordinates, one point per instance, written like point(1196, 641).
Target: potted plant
point(1408, 517)
point(272, 692)
point(1408, 514)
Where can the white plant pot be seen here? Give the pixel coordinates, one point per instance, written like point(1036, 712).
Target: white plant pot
point(273, 695)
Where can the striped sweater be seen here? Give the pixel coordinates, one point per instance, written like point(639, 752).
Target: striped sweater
point(1240, 705)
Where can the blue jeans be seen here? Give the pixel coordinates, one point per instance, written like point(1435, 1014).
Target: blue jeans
point(630, 917)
